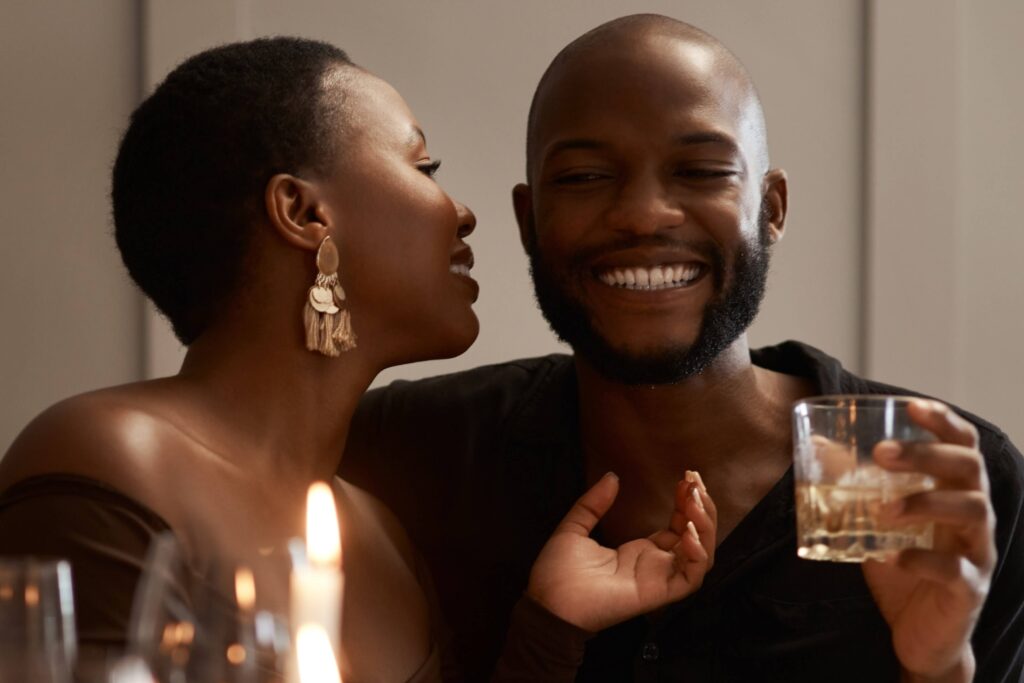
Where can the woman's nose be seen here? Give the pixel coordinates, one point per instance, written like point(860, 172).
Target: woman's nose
point(467, 219)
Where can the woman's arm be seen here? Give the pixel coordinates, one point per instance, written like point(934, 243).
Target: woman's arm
point(102, 533)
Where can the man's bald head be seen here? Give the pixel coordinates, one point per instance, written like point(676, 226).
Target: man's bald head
point(637, 38)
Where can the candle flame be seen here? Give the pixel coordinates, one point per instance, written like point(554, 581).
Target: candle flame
point(130, 669)
point(316, 659)
point(245, 588)
point(323, 540)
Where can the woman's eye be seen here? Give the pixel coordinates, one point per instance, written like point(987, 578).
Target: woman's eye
point(429, 169)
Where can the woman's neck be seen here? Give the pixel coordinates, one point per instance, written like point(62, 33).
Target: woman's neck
point(273, 406)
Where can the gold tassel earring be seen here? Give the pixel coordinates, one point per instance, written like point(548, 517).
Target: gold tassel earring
point(328, 324)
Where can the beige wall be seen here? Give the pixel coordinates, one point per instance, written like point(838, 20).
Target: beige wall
point(900, 251)
point(68, 78)
point(946, 292)
point(991, 239)
point(468, 69)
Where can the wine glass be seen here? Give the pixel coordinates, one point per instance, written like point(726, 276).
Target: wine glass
point(214, 627)
point(37, 621)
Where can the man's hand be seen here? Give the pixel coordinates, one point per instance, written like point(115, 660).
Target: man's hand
point(595, 587)
point(931, 598)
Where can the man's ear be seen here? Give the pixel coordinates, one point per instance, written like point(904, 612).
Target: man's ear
point(295, 211)
point(522, 203)
point(775, 202)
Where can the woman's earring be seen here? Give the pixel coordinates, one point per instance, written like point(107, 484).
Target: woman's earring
point(328, 324)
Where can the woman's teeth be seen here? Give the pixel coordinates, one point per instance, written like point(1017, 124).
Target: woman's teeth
point(658, 277)
point(459, 269)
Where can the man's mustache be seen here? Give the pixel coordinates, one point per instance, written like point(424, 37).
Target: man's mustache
point(707, 250)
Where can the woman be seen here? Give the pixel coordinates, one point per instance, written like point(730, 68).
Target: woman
point(277, 204)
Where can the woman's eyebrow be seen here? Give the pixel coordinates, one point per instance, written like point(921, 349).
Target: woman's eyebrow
point(417, 136)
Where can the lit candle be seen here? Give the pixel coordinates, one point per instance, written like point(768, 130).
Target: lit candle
point(317, 663)
point(245, 589)
point(316, 586)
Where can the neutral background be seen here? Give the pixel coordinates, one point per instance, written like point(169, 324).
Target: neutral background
point(898, 123)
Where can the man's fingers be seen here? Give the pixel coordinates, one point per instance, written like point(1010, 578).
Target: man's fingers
point(955, 571)
point(954, 466)
point(968, 515)
point(955, 508)
point(591, 506)
point(940, 420)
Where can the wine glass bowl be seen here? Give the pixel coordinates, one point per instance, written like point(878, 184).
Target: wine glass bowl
point(37, 620)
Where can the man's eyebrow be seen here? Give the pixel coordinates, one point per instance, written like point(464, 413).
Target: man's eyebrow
point(573, 143)
point(707, 137)
point(699, 138)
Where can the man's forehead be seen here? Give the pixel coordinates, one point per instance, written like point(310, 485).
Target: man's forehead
point(654, 61)
point(657, 73)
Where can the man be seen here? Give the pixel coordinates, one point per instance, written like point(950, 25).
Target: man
point(649, 218)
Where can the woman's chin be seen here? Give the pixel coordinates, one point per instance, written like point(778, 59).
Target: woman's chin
point(453, 342)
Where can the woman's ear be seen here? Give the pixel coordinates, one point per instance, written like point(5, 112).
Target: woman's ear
point(296, 211)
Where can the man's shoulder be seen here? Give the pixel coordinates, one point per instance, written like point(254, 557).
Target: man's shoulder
point(462, 417)
point(831, 377)
point(502, 383)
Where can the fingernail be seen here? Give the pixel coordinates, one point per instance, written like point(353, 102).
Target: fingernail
point(693, 477)
point(888, 450)
point(611, 475)
point(696, 497)
point(693, 531)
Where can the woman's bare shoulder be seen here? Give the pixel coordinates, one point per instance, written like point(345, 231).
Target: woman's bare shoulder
point(113, 435)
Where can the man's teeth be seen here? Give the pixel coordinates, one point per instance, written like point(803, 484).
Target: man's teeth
point(658, 277)
point(459, 269)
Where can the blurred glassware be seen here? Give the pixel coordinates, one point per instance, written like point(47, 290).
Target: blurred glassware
point(219, 627)
point(37, 621)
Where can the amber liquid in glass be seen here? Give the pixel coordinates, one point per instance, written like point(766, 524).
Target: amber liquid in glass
point(841, 522)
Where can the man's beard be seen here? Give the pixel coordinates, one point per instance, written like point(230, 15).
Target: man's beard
point(724, 319)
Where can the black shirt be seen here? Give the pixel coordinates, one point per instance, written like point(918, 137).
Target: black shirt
point(481, 465)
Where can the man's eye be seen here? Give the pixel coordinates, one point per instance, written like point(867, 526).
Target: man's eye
point(704, 173)
point(579, 178)
point(429, 169)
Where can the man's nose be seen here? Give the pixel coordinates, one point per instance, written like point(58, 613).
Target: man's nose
point(644, 205)
point(467, 219)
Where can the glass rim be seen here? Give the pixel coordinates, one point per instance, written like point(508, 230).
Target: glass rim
point(862, 401)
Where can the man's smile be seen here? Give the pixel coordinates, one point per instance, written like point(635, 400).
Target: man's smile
point(659, 277)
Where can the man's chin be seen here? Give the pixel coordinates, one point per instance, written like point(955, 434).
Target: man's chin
point(647, 366)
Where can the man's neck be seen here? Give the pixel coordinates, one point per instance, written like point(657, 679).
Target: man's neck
point(730, 423)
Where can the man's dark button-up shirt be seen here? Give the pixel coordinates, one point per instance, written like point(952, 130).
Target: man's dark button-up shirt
point(481, 465)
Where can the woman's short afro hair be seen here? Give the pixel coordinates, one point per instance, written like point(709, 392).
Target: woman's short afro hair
point(193, 165)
